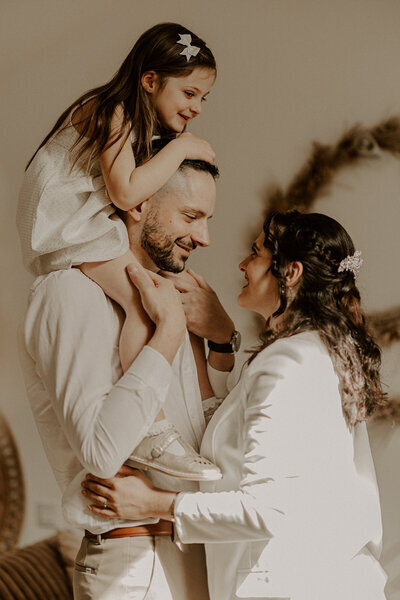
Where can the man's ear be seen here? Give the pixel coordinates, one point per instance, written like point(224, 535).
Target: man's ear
point(293, 273)
point(138, 211)
point(150, 81)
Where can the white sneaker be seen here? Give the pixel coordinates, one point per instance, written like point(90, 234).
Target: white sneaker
point(152, 453)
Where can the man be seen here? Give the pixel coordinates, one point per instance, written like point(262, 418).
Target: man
point(89, 416)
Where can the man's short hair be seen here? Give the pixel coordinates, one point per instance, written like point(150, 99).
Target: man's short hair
point(196, 165)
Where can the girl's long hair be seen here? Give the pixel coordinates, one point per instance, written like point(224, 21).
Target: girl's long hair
point(326, 301)
point(156, 50)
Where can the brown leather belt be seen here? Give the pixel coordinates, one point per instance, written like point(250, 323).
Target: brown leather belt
point(160, 528)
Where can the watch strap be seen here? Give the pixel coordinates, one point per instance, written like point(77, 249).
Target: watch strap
point(222, 348)
point(228, 348)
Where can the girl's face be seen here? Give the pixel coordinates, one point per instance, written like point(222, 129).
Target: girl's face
point(179, 99)
point(260, 292)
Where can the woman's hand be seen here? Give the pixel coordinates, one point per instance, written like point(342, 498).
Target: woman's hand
point(128, 495)
point(195, 148)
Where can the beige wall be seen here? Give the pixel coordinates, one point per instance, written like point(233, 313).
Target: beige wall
point(290, 71)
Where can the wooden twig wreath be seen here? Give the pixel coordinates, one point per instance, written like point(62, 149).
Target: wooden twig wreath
point(386, 326)
point(12, 495)
point(390, 412)
point(357, 145)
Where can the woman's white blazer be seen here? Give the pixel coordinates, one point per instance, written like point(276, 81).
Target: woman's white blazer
point(297, 513)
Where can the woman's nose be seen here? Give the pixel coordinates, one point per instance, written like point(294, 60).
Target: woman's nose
point(243, 264)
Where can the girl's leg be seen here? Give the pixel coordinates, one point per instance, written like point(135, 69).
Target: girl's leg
point(163, 448)
point(137, 329)
point(113, 279)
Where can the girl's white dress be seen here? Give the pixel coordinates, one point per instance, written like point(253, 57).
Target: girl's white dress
point(66, 217)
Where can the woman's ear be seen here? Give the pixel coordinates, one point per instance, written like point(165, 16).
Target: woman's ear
point(149, 81)
point(293, 273)
point(138, 211)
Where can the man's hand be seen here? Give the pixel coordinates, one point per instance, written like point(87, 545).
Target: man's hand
point(205, 315)
point(128, 495)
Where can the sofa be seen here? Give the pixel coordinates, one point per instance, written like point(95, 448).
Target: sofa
point(40, 571)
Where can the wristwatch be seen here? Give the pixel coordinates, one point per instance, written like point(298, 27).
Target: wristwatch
point(232, 346)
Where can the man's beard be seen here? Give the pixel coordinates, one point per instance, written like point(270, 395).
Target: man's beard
point(160, 247)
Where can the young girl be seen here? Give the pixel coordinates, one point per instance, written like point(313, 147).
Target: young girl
point(86, 166)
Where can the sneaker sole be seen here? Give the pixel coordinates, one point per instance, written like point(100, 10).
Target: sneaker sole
point(146, 466)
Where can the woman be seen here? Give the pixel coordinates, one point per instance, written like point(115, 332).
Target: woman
point(297, 512)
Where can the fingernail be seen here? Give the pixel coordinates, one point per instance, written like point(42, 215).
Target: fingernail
point(132, 269)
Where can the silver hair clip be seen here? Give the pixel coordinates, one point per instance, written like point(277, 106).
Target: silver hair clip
point(189, 51)
point(352, 263)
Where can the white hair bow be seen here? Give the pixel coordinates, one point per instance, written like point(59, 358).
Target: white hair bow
point(189, 51)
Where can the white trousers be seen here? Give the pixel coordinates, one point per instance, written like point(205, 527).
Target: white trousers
point(140, 568)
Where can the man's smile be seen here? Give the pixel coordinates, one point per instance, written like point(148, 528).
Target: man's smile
point(186, 247)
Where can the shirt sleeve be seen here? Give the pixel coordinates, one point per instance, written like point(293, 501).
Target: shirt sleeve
point(221, 381)
point(70, 337)
point(256, 510)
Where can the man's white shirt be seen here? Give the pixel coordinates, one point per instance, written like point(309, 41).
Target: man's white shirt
point(90, 415)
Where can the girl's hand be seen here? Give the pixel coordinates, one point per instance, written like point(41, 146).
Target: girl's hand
point(196, 148)
point(128, 495)
point(162, 303)
point(159, 297)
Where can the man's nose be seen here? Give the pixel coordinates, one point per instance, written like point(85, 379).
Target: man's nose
point(201, 236)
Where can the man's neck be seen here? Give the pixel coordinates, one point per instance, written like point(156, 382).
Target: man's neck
point(142, 256)
point(134, 236)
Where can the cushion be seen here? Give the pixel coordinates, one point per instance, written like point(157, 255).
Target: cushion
point(35, 572)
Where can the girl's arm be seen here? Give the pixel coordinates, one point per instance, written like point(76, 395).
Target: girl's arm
point(128, 185)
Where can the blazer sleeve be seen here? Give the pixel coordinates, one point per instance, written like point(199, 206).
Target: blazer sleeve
point(257, 509)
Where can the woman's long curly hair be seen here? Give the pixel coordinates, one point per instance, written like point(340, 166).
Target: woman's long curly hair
point(326, 301)
point(156, 50)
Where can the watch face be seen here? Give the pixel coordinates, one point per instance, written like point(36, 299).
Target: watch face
point(236, 340)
